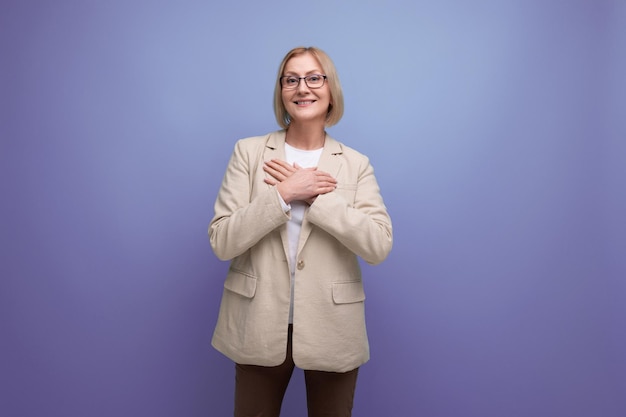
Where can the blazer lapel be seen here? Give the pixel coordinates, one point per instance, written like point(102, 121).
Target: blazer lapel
point(275, 149)
point(275, 146)
point(329, 162)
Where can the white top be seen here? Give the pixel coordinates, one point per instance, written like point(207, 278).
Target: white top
point(306, 159)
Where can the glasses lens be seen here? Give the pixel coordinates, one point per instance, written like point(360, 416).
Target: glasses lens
point(290, 82)
point(314, 81)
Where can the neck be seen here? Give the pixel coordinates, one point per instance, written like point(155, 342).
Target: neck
point(305, 137)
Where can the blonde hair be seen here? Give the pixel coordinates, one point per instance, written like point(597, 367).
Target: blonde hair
point(335, 109)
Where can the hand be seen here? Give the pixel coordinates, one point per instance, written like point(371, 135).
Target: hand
point(297, 183)
point(279, 170)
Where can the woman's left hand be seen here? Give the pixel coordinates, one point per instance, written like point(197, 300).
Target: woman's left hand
point(279, 171)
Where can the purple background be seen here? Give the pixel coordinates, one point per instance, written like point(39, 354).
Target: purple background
point(497, 133)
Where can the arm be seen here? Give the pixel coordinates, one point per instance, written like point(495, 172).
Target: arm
point(296, 183)
point(240, 221)
point(363, 226)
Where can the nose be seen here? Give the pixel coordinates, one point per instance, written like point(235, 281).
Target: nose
point(302, 85)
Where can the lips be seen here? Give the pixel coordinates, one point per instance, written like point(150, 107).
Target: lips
point(304, 102)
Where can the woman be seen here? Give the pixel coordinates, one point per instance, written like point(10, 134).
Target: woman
point(294, 211)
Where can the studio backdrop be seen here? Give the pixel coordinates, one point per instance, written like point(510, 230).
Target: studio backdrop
point(496, 131)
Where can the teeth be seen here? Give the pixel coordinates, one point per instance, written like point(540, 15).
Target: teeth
point(304, 102)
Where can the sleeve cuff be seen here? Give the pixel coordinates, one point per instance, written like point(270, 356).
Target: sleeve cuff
point(286, 207)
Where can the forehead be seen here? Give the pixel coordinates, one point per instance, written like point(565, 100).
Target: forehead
point(302, 64)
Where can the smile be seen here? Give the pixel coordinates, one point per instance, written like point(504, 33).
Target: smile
point(304, 103)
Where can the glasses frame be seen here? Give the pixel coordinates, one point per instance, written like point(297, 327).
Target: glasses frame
point(324, 78)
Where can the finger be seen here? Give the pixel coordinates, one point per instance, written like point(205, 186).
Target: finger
point(270, 169)
point(277, 175)
point(325, 177)
point(326, 190)
point(273, 165)
point(298, 166)
point(323, 173)
point(282, 164)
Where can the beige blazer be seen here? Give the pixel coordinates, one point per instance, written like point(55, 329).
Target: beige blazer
point(249, 229)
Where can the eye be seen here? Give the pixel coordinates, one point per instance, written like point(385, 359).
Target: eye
point(314, 78)
point(290, 81)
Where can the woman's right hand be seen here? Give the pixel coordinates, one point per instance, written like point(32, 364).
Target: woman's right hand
point(296, 183)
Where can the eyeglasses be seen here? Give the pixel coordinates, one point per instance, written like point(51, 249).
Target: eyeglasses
point(290, 82)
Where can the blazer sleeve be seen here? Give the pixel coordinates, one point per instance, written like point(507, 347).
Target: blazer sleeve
point(362, 225)
point(240, 221)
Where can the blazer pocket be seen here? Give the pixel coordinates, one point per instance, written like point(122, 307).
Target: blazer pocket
point(347, 191)
point(348, 292)
point(240, 283)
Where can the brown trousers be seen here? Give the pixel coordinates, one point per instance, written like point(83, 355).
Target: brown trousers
point(259, 390)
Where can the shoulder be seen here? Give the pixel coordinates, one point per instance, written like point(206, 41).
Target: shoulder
point(251, 148)
point(254, 142)
point(346, 151)
point(250, 143)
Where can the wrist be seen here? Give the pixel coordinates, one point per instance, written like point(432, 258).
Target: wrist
point(284, 194)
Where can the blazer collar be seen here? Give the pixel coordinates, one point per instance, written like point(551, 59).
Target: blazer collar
point(328, 160)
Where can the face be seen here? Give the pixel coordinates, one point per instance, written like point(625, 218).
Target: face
point(306, 104)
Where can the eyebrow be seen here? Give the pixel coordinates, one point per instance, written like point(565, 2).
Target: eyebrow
point(315, 71)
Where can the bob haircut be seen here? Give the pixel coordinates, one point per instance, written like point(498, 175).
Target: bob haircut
point(335, 109)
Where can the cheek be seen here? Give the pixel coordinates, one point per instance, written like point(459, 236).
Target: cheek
point(329, 96)
point(285, 99)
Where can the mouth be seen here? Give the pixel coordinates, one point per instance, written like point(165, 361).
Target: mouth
point(304, 102)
